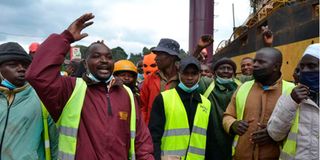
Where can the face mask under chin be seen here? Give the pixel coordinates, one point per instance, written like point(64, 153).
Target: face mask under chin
point(187, 89)
point(95, 79)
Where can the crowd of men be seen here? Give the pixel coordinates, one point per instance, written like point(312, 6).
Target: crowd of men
point(167, 106)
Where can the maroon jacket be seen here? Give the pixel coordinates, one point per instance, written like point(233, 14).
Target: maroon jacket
point(101, 135)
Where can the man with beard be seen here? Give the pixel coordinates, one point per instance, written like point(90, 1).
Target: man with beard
point(97, 115)
point(251, 106)
point(296, 116)
point(219, 91)
point(167, 54)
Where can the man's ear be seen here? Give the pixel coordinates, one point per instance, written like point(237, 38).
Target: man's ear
point(85, 64)
point(177, 65)
point(1, 77)
point(277, 66)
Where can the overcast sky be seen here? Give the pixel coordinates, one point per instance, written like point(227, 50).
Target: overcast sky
point(130, 24)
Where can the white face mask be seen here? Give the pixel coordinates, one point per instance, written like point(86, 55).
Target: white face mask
point(93, 78)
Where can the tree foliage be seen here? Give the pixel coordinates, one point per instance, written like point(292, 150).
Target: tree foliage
point(118, 54)
point(135, 57)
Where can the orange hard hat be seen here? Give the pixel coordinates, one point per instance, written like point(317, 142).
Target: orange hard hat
point(125, 65)
point(33, 47)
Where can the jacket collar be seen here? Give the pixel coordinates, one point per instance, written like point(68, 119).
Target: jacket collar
point(5, 90)
point(274, 86)
point(184, 95)
point(115, 82)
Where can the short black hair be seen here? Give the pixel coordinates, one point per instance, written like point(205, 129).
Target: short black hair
point(87, 52)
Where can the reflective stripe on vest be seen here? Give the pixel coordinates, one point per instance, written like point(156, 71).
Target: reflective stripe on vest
point(241, 99)
point(290, 145)
point(45, 133)
point(70, 118)
point(176, 139)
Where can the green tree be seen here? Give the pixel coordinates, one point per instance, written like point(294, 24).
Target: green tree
point(135, 57)
point(145, 51)
point(118, 53)
point(183, 53)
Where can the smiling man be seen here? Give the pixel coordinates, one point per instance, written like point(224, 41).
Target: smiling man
point(219, 91)
point(181, 121)
point(97, 115)
point(246, 69)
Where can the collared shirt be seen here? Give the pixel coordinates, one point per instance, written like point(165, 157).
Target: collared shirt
point(165, 83)
point(259, 107)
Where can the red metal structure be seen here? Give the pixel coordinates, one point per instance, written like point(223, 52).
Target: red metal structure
point(200, 22)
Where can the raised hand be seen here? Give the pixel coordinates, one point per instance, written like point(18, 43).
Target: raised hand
point(241, 127)
point(205, 41)
point(79, 24)
point(267, 36)
point(299, 93)
point(261, 136)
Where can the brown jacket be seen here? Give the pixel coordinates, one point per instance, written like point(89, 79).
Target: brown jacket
point(259, 106)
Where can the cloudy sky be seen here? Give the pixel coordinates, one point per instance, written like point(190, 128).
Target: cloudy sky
point(131, 24)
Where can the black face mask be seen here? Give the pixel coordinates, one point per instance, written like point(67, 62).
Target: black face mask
point(260, 75)
point(310, 79)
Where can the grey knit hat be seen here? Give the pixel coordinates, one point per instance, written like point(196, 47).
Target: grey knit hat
point(13, 51)
point(225, 60)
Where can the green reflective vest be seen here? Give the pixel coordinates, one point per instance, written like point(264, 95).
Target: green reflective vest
point(176, 139)
point(45, 133)
point(241, 99)
point(290, 145)
point(69, 120)
point(212, 85)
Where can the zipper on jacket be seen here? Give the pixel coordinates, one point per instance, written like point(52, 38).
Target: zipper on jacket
point(109, 103)
point(5, 125)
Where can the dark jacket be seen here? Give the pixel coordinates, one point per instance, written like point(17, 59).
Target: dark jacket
point(101, 135)
point(158, 120)
point(152, 86)
point(219, 98)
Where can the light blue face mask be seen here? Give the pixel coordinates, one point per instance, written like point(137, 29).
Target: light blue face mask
point(187, 89)
point(140, 76)
point(92, 77)
point(224, 80)
point(8, 84)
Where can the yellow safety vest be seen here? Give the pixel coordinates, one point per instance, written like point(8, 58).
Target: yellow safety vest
point(69, 120)
point(176, 139)
point(241, 99)
point(289, 149)
point(45, 133)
